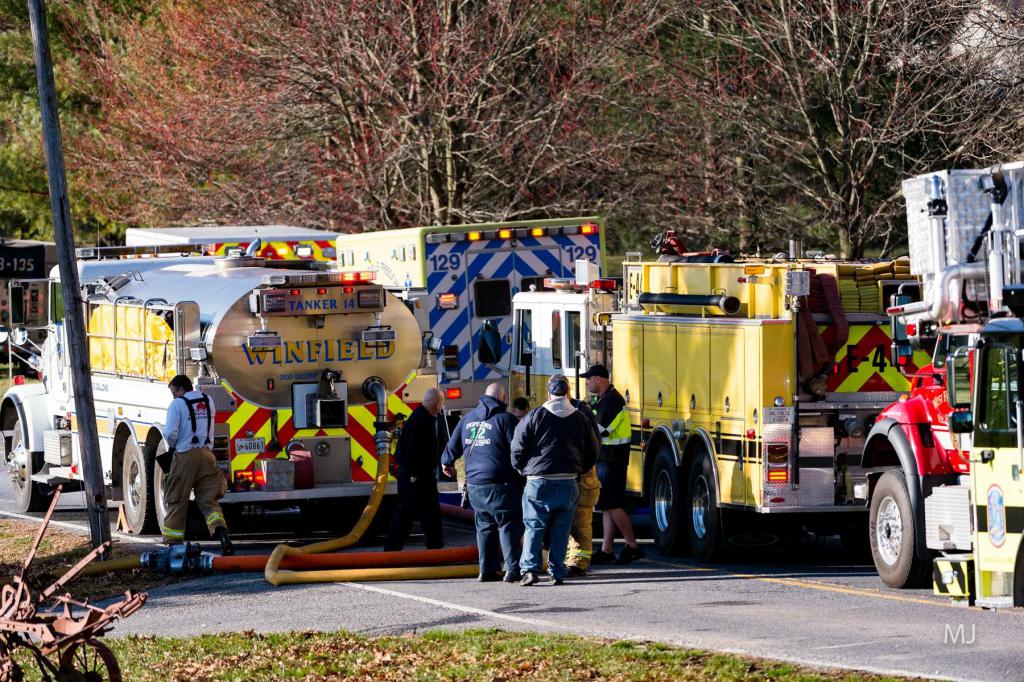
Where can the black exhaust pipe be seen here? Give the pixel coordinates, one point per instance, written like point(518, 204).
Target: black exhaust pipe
point(730, 305)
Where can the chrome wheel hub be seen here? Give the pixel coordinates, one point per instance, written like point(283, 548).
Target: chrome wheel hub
point(889, 531)
point(701, 507)
point(663, 500)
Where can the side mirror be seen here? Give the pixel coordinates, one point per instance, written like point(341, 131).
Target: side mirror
point(961, 422)
point(19, 336)
point(958, 379)
point(489, 348)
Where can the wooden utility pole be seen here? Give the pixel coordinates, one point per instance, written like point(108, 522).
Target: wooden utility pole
point(74, 320)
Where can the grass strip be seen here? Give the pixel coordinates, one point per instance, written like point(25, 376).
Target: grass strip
point(492, 655)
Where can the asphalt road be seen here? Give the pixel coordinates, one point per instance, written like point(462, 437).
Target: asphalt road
point(806, 604)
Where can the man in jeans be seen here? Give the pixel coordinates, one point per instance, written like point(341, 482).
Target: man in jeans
point(552, 446)
point(484, 439)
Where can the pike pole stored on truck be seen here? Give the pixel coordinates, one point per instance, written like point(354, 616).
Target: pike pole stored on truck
point(292, 355)
point(950, 501)
point(461, 280)
point(750, 385)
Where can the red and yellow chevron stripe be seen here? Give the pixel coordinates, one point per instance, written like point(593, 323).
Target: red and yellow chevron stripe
point(323, 249)
point(864, 364)
point(252, 421)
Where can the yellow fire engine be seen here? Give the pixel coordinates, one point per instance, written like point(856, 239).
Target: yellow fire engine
point(750, 385)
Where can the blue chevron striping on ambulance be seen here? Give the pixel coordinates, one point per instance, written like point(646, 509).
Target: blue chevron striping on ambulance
point(468, 275)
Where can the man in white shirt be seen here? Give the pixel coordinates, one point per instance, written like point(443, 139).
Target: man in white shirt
point(189, 435)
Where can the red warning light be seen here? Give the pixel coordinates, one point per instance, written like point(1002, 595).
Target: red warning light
point(453, 393)
point(588, 228)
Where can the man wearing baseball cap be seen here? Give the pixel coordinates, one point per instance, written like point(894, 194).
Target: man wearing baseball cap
point(612, 464)
point(552, 446)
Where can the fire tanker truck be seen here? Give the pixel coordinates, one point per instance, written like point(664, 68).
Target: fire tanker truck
point(751, 385)
point(945, 462)
point(302, 364)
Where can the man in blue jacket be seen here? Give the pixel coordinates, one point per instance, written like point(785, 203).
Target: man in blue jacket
point(484, 439)
point(552, 446)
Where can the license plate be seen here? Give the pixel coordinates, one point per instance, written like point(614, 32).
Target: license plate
point(778, 415)
point(250, 445)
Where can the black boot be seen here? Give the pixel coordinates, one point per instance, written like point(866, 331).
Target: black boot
point(221, 535)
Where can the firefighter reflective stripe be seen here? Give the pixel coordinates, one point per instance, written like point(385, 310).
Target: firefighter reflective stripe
point(618, 432)
point(953, 578)
point(213, 518)
point(174, 534)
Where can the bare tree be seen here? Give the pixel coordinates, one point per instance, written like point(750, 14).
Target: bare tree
point(357, 114)
point(816, 109)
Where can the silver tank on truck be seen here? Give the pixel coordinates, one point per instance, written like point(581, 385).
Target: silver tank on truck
point(265, 329)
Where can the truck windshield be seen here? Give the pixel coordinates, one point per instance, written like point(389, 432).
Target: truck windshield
point(945, 346)
point(999, 393)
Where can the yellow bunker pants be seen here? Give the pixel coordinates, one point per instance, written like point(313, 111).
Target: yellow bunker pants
point(194, 469)
point(581, 536)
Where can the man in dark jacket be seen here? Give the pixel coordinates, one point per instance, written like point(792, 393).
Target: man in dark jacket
point(416, 463)
point(484, 440)
point(552, 446)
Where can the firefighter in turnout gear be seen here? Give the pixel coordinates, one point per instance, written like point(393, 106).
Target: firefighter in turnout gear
point(193, 467)
point(581, 535)
point(612, 464)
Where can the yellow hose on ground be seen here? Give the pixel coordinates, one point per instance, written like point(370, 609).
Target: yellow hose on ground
point(125, 564)
point(343, 575)
point(275, 576)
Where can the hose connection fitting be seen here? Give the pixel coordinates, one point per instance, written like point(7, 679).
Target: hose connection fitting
point(184, 559)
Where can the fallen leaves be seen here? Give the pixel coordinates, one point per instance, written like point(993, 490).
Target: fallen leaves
point(487, 655)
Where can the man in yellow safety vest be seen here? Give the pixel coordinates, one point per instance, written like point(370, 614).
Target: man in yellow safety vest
point(612, 464)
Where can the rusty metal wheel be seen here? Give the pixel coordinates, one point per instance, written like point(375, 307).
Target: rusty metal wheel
point(89, 661)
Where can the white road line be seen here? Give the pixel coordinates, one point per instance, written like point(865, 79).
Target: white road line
point(848, 645)
point(81, 529)
point(457, 607)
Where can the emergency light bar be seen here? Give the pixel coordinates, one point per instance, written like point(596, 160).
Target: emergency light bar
point(362, 277)
point(110, 252)
point(512, 233)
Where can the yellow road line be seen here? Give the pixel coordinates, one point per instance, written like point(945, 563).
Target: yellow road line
point(811, 584)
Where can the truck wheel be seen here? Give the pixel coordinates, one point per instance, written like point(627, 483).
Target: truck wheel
point(705, 527)
point(666, 504)
point(29, 496)
point(892, 533)
point(137, 484)
point(159, 499)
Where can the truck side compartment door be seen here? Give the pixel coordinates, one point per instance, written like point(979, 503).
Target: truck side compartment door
point(727, 400)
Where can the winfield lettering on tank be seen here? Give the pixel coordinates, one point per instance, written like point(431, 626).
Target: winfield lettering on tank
point(326, 350)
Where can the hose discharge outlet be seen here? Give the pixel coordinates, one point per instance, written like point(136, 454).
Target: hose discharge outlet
point(373, 389)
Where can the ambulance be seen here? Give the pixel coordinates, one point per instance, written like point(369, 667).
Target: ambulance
point(466, 277)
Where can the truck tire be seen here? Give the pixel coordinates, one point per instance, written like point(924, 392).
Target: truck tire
point(137, 483)
point(666, 504)
point(705, 518)
point(29, 496)
point(159, 501)
point(892, 533)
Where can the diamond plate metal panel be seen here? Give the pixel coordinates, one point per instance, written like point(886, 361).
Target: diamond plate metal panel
point(947, 513)
point(817, 483)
